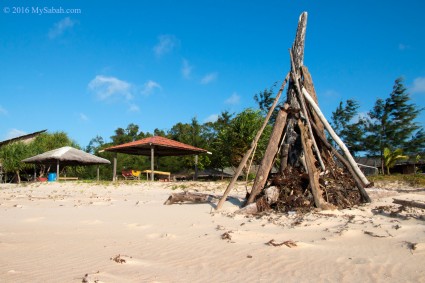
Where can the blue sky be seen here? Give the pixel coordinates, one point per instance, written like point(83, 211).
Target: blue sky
point(106, 64)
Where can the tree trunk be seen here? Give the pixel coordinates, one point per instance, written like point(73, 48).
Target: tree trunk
point(18, 176)
point(269, 155)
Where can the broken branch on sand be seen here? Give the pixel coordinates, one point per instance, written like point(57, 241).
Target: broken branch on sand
point(288, 243)
point(190, 197)
point(410, 203)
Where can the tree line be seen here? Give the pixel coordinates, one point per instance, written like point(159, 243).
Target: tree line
point(388, 131)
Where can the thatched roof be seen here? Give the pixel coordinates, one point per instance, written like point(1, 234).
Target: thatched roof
point(161, 145)
point(66, 156)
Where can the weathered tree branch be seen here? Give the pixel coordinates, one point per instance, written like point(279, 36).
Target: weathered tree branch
point(410, 203)
point(295, 78)
point(343, 147)
point(359, 184)
point(253, 145)
point(269, 155)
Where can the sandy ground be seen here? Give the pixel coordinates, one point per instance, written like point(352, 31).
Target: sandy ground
point(80, 232)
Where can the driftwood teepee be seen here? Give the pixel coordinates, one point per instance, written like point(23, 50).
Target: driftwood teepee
point(311, 172)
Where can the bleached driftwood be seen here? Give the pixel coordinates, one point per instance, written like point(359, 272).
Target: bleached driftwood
point(253, 145)
point(190, 197)
point(272, 148)
point(359, 183)
point(343, 147)
point(295, 78)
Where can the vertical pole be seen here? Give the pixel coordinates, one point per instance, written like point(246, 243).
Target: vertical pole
point(152, 162)
point(97, 177)
point(114, 173)
point(57, 171)
point(196, 167)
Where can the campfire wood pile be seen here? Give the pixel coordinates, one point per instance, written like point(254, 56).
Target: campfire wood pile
point(311, 172)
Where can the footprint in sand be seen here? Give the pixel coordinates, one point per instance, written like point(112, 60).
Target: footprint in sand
point(34, 219)
point(91, 222)
point(137, 226)
point(163, 236)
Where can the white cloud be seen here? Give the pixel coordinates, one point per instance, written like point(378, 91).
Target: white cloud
point(83, 117)
point(359, 116)
point(419, 85)
point(133, 108)
point(14, 133)
point(209, 78)
point(3, 111)
point(212, 118)
point(150, 87)
point(233, 99)
point(60, 27)
point(331, 93)
point(186, 69)
point(166, 44)
point(403, 47)
point(107, 87)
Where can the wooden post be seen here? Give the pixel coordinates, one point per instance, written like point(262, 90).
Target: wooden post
point(97, 173)
point(313, 174)
point(336, 138)
point(295, 78)
point(57, 171)
point(114, 173)
point(357, 180)
point(152, 162)
point(269, 155)
point(196, 168)
point(253, 145)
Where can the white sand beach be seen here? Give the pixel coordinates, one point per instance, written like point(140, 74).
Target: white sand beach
point(88, 232)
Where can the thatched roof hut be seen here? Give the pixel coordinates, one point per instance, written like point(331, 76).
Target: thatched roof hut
point(66, 156)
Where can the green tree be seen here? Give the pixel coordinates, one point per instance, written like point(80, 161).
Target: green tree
point(391, 124)
point(11, 156)
point(193, 134)
point(95, 144)
point(216, 133)
point(240, 134)
point(350, 131)
point(129, 134)
point(403, 115)
point(265, 99)
point(49, 141)
point(391, 157)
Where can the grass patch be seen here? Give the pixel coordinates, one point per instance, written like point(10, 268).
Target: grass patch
point(414, 180)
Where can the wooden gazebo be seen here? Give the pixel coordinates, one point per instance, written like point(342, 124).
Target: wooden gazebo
point(154, 146)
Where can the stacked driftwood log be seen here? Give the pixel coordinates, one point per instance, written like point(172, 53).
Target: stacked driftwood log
point(308, 171)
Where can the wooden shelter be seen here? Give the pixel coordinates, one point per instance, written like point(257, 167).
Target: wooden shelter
point(67, 156)
point(312, 172)
point(154, 146)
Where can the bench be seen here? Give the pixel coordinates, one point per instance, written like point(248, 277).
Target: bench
point(131, 174)
point(168, 174)
point(68, 178)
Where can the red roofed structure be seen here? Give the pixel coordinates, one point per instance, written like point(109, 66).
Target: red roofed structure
point(155, 146)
